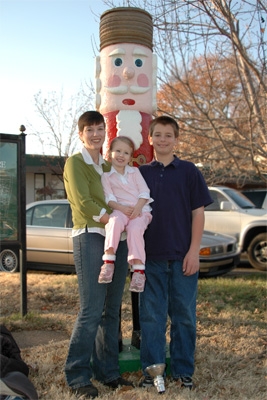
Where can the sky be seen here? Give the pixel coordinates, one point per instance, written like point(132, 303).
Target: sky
point(44, 45)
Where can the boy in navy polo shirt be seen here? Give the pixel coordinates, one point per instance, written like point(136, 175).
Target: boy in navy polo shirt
point(172, 252)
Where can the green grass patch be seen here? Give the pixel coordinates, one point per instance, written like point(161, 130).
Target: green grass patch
point(31, 321)
point(244, 298)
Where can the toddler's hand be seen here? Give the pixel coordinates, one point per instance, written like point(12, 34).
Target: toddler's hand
point(127, 210)
point(137, 211)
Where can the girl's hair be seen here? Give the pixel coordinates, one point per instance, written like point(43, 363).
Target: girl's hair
point(90, 118)
point(123, 139)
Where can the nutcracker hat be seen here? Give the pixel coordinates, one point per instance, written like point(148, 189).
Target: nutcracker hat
point(126, 25)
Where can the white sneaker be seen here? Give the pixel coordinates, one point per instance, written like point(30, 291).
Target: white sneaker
point(137, 282)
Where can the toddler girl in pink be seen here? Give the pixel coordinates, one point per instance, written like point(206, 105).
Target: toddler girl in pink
point(128, 195)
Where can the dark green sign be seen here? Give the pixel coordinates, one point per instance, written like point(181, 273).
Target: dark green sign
point(8, 191)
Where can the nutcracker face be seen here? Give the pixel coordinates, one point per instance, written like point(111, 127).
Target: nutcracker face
point(125, 78)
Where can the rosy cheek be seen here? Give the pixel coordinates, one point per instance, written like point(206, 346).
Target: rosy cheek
point(142, 80)
point(114, 81)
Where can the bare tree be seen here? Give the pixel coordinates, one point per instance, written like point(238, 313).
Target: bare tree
point(213, 116)
point(206, 48)
point(59, 117)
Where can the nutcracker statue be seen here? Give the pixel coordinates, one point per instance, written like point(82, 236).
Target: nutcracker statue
point(126, 72)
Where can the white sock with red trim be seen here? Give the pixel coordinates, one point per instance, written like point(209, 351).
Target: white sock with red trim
point(109, 258)
point(138, 268)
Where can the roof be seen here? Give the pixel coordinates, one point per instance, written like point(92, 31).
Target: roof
point(41, 163)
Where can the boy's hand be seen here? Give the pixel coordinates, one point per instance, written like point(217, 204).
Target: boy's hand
point(191, 263)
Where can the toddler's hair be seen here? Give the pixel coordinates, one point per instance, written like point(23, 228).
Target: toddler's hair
point(123, 139)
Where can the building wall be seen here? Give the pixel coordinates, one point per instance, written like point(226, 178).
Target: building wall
point(29, 187)
point(53, 187)
point(43, 181)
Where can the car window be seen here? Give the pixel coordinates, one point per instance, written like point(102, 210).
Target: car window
point(241, 200)
point(70, 222)
point(217, 197)
point(29, 216)
point(49, 215)
point(256, 197)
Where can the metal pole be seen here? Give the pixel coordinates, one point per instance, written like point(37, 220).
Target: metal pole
point(22, 251)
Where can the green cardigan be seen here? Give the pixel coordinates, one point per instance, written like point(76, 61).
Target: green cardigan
point(84, 191)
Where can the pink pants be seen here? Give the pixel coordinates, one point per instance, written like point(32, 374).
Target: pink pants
point(135, 228)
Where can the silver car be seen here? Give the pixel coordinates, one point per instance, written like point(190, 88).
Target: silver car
point(232, 213)
point(49, 243)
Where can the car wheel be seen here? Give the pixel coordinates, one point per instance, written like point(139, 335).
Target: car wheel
point(257, 252)
point(9, 261)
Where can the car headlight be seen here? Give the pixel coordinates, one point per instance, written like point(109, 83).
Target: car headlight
point(211, 251)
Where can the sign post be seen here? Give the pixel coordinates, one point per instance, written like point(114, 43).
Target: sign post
point(13, 208)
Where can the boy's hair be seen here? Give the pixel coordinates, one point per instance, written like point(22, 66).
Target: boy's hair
point(123, 139)
point(90, 118)
point(164, 120)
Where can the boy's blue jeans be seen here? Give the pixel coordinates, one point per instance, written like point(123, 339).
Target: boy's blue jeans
point(95, 334)
point(168, 291)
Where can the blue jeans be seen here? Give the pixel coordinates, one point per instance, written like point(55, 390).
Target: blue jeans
point(95, 334)
point(168, 291)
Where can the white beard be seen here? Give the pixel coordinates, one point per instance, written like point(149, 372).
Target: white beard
point(129, 124)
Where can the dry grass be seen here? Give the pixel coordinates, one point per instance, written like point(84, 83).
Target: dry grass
point(231, 341)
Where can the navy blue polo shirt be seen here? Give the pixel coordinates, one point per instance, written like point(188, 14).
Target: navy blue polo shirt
point(177, 189)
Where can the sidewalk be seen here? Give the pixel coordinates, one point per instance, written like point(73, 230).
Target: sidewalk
point(26, 339)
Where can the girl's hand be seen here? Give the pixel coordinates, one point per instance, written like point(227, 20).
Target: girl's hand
point(137, 211)
point(127, 210)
